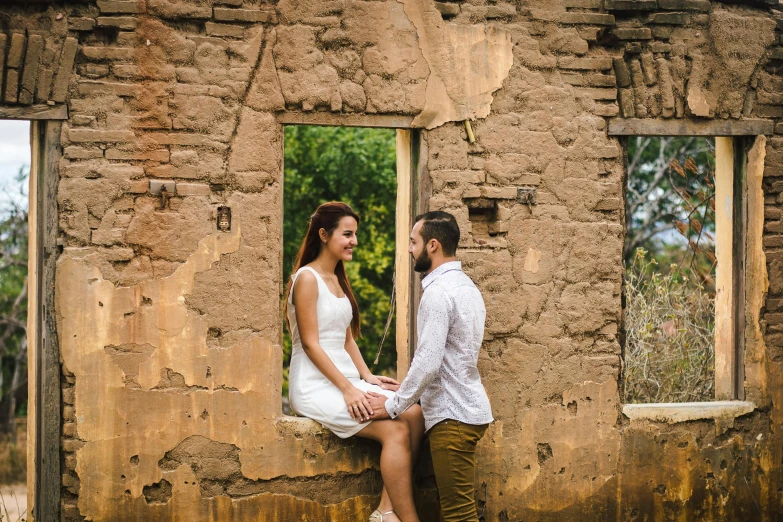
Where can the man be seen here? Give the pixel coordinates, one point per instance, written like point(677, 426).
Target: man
point(443, 373)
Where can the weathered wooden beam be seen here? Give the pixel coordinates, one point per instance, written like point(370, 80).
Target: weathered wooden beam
point(45, 382)
point(402, 257)
point(651, 127)
point(724, 272)
point(330, 119)
point(34, 112)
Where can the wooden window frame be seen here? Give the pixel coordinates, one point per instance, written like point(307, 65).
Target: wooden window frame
point(733, 140)
point(44, 417)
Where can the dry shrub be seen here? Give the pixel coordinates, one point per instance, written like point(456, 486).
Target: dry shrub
point(13, 455)
point(669, 342)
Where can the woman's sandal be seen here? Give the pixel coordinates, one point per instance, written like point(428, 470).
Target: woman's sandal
point(377, 516)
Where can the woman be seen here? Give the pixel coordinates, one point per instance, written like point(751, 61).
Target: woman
point(328, 378)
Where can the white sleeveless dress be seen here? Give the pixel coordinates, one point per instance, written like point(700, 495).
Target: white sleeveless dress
point(310, 393)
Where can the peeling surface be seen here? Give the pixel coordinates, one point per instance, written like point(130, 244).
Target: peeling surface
point(467, 64)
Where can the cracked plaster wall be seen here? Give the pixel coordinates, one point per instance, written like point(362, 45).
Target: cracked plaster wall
point(169, 330)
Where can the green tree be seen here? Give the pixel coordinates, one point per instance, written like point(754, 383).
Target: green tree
point(670, 202)
point(13, 301)
point(356, 166)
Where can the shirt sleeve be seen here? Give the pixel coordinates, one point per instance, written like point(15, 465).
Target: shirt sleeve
point(434, 320)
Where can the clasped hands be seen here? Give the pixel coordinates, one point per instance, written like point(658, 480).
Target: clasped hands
point(365, 406)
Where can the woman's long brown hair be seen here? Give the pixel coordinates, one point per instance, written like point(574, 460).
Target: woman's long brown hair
point(327, 216)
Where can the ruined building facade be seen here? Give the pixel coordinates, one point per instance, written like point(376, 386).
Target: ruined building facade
point(156, 374)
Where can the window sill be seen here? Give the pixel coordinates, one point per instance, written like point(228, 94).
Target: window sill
point(723, 412)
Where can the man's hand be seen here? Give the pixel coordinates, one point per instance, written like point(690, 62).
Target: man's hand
point(383, 382)
point(378, 406)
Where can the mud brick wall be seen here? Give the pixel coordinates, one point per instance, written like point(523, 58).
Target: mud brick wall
point(170, 330)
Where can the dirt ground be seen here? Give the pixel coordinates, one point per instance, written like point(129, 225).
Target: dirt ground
point(13, 503)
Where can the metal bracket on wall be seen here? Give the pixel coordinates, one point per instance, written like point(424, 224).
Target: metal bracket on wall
point(526, 195)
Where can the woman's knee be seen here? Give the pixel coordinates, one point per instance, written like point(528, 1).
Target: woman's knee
point(398, 432)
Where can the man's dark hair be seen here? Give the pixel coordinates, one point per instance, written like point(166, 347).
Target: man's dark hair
point(441, 226)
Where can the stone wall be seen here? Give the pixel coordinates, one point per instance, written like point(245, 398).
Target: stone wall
point(170, 329)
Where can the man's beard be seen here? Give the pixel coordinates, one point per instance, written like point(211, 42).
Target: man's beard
point(423, 262)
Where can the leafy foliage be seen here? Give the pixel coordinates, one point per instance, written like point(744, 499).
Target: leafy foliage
point(356, 166)
point(670, 203)
point(13, 300)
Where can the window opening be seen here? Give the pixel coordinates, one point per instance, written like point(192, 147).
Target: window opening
point(357, 166)
point(681, 216)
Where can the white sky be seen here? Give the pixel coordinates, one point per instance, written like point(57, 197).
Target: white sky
point(14, 152)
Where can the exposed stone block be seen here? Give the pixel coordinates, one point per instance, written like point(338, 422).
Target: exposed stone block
point(78, 152)
point(118, 89)
point(176, 9)
point(660, 47)
point(121, 6)
point(11, 86)
point(501, 10)
point(648, 68)
point(95, 135)
point(588, 33)
point(632, 33)
point(589, 80)
point(670, 18)
point(81, 24)
point(609, 204)
point(627, 103)
point(137, 186)
point(633, 48)
point(447, 10)
point(608, 94)
point(222, 14)
point(687, 5)
point(127, 23)
point(108, 53)
point(231, 31)
point(16, 51)
point(587, 18)
point(597, 63)
point(161, 155)
point(60, 87)
point(32, 63)
point(606, 110)
point(82, 120)
point(663, 32)
point(193, 189)
point(621, 72)
point(44, 86)
point(631, 5)
point(665, 87)
point(584, 4)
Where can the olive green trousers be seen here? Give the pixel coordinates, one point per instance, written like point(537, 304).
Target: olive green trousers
point(453, 448)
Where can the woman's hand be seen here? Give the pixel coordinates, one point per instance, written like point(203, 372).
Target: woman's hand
point(385, 383)
point(358, 405)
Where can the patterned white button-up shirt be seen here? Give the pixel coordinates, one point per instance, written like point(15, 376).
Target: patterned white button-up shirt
point(443, 373)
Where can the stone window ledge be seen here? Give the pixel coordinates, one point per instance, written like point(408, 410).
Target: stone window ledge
point(723, 412)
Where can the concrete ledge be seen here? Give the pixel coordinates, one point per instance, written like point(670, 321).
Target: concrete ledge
point(688, 411)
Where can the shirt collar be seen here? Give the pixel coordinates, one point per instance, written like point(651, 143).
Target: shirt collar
point(442, 269)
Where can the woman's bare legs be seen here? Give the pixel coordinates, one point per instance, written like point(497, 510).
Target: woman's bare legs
point(415, 420)
point(396, 464)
